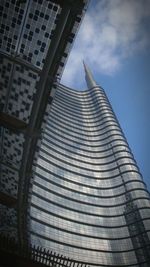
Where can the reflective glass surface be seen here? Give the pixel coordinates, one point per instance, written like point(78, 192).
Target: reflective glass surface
point(89, 201)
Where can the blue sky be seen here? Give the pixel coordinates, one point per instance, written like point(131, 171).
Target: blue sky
point(114, 42)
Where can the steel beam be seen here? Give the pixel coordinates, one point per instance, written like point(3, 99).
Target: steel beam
point(12, 123)
point(17, 60)
point(7, 200)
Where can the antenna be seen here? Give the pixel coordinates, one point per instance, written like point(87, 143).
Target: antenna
point(88, 77)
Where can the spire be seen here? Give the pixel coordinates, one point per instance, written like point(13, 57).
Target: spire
point(88, 77)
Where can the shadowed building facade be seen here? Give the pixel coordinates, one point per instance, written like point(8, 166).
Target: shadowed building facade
point(89, 200)
point(36, 37)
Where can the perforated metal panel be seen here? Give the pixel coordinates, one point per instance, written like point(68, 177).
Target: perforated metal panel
point(28, 31)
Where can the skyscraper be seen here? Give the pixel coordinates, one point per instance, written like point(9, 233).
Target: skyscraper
point(89, 200)
point(84, 197)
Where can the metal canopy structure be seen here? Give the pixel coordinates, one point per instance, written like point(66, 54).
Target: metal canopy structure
point(36, 38)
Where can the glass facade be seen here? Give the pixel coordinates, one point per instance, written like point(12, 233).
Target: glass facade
point(89, 201)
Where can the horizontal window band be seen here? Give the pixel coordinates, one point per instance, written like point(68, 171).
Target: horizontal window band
point(89, 203)
point(89, 249)
point(89, 109)
point(85, 155)
point(71, 143)
point(87, 145)
point(61, 109)
point(77, 135)
point(86, 235)
point(78, 234)
point(84, 185)
point(76, 102)
point(71, 127)
point(70, 112)
point(91, 113)
point(86, 128)
point(88, 94)
point(80, 121)
point(81, 112)
point(87, 194)
point(77, 99)
point(61, 132)
point(91, 131)
point(84, 212)
point(84, 161)
point(83, 149)
point(80, 109)
point(86, 223)
point(79, 168)
point(88, 177)
point(69, 208)
point(84, 202)
point(92, 104)
point(75, 94)
point(92, 165)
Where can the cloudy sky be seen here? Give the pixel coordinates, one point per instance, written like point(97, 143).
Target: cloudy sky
point(114, 42)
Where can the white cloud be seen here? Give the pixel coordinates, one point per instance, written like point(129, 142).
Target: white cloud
point(111, 31)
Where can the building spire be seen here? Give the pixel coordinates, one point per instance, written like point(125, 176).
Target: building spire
point(88, 77)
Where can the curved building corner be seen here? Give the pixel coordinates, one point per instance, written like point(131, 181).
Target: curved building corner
point(89, 200)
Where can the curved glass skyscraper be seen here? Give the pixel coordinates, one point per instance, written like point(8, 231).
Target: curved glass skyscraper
point(89, 201)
